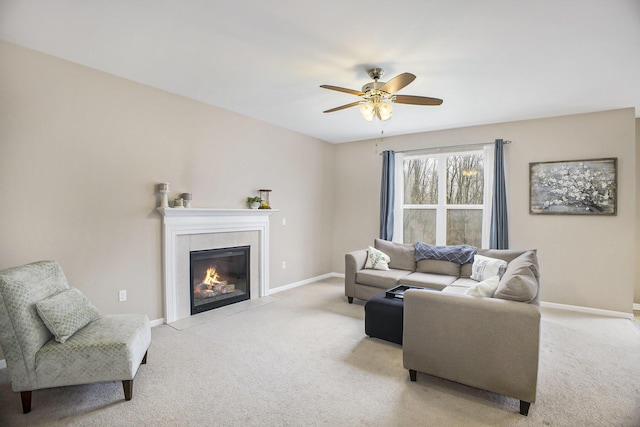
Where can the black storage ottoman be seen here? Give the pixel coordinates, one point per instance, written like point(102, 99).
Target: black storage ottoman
point(383, 318)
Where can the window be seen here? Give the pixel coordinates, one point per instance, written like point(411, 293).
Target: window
point(442, 198)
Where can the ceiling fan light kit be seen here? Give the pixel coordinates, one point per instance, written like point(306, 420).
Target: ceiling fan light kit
point(377, 96)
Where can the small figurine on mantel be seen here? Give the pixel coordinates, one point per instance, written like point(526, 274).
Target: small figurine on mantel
point(264, 195)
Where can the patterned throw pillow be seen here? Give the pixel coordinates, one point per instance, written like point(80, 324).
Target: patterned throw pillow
point(377, 260)
point(484, 267)
point(486, 288)
point(66, 313)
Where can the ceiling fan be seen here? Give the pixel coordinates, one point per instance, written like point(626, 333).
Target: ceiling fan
point(377, 96)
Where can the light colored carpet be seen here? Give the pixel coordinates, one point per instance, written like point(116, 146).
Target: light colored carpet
point(303, 360)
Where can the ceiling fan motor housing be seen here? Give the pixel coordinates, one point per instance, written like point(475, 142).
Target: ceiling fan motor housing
point(372, 86)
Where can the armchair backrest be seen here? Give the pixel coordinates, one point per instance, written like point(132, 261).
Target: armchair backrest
point(22, 332)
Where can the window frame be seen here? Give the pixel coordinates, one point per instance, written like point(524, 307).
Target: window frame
point(442, 207)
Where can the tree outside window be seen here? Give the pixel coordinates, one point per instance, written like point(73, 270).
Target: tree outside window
point(443, 198)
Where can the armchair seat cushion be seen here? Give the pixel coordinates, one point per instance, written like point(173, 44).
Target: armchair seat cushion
point(107, 349)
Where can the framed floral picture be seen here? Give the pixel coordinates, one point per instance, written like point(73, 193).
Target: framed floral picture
point(577, 187)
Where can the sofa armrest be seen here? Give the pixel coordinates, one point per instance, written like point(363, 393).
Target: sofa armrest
point(353, 262)
point(486, 343)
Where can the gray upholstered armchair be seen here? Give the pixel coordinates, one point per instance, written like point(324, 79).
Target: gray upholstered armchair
point(52, 336)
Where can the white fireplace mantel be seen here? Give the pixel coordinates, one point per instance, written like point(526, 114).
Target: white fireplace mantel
point(189, 221)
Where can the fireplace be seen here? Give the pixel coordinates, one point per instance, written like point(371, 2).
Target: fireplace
point(219, 277)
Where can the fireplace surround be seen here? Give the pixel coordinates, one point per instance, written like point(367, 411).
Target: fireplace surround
point(194, 229)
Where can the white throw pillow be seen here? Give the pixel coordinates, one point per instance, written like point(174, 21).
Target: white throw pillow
point(486, 288)
point(484, 267)
point(377, 260)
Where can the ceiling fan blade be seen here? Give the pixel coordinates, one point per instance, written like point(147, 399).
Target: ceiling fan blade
point(343, 89)
point(416, 100)
point(397, 83)
point(342, 107)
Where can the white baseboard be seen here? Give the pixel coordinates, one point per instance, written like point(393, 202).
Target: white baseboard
point(636, 307)
point(303, 282)
point(589, 310)
point(157, 322)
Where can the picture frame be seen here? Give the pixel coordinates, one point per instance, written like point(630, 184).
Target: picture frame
point(575, 187)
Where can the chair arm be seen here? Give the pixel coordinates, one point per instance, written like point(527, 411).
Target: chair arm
point(488, 343)
point(353, 262)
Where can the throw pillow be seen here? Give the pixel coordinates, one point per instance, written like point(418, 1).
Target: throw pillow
point(484, 267)
point(486, 288)
point(520, 281)
point(66, 313)
point(377, 260)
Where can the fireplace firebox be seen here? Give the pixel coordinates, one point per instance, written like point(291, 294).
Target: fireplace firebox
point(219, 277)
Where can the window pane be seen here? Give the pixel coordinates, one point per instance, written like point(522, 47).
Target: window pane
point(465, 179)
point(464, 227)
point(419, 225)
point(421, 181)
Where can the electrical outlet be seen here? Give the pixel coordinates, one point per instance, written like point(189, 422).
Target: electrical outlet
point(284, 221)
point(122, 296)
point(284, 265)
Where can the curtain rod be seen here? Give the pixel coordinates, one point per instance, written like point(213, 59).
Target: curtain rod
point(467, 146)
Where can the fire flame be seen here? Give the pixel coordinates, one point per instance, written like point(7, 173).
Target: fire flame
point(212, 276)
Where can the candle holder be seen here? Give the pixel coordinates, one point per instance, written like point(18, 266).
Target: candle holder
point(163, 189)
point(264, 195)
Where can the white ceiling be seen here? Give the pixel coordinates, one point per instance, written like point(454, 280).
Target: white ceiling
point(491, 61)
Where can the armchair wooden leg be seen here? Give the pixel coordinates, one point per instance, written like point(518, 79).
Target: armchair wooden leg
point(128, 389)
point(350, 299)
point(413, 375)
point(26, 401)
point(524, 408)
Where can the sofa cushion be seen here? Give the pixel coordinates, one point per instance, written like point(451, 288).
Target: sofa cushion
point(486, 288)
point(376, 260)
point(428, 280)
point(453, 289)
point(383, 279)
point(504, 254)
point(66, 313)
point(520, 280)
point(485, 267)
point(466, 270)
point(401, 254)
point(438, 267)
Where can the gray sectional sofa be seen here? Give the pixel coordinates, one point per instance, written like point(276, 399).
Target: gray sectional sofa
point(445, 276)
point(491, 343)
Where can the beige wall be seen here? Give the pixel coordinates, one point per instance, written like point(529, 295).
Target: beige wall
point(81, 151)
point(585, 261)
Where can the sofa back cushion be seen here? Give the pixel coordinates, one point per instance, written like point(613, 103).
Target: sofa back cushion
point(504, 254)
point(401, 254)
point(437, 266)
point(521, 280)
